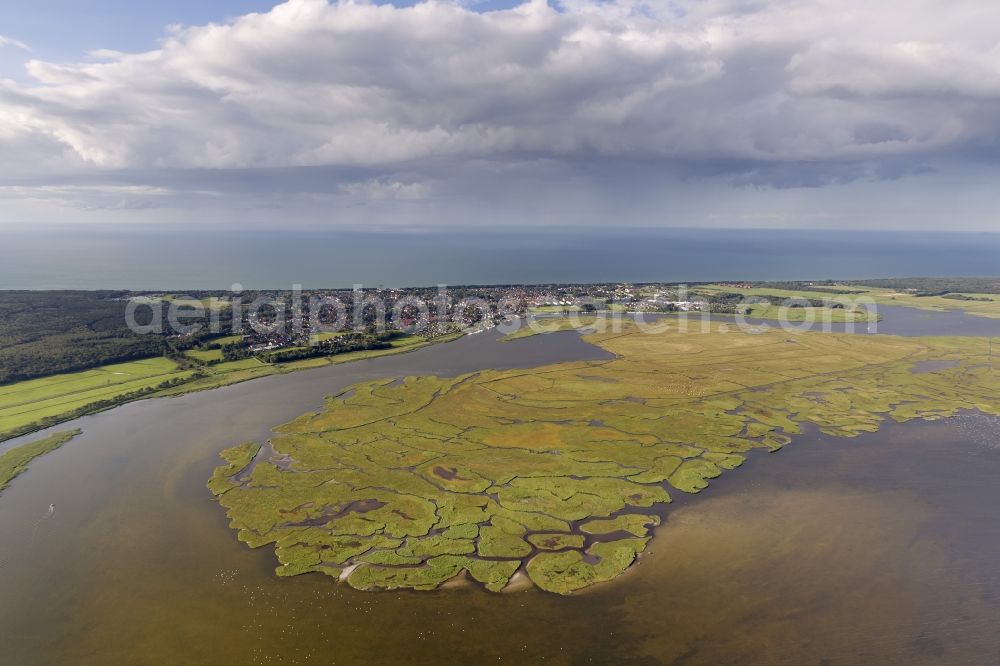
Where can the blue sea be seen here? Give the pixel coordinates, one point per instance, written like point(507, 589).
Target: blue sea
point(177, 259)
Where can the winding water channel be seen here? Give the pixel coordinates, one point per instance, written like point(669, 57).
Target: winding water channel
point(881, 549)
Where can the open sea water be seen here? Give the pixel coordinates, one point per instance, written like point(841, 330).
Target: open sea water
point(89, 257)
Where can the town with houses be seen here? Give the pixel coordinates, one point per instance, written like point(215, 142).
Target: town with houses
point(282, 325)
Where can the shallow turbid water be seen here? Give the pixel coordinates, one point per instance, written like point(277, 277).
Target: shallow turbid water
point(912, 322)
point(880, 549)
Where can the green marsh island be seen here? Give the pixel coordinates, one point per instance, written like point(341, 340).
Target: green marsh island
point(15, 462)
point(558, 473)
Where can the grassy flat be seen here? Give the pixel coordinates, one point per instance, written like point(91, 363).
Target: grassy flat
point(553, 325)
point(27, 402)
point(207, 303)
point(417, 481)
point(227, 340)
point(206, 356)
point(327, 335)
point(813, 314)
point(16, 461)
point(550, 309)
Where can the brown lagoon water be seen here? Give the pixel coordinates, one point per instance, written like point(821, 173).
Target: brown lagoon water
point(882, 549)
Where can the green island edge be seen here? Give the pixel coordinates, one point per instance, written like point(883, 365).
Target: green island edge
point(15, 462)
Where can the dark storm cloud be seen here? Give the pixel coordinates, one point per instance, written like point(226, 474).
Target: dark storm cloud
point(355, 102)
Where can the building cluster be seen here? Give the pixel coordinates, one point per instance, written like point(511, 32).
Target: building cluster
point(277, 319)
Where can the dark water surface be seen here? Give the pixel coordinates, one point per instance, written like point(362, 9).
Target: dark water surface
point(895, 320)
point(881, 549)
point(140, 257)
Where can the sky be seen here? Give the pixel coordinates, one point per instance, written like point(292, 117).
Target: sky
point(843, 114)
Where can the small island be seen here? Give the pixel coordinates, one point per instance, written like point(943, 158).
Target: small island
point(15, 462)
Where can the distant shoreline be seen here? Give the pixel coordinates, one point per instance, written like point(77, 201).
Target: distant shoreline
point(202, 259)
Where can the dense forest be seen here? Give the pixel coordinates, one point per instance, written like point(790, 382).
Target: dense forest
point(47, 332)
point(936, 286)
point(826, 287)
point(729, 303)
point(918, 286)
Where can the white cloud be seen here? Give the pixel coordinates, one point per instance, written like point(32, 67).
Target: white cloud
point(89, 197)
point(8, 41)
point(41, 190)
point(774, 92)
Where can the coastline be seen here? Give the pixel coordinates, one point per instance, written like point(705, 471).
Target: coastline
point(192, 385)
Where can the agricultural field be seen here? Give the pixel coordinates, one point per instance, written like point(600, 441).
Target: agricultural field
point(222, 374)
point(227, 340)
point(554, 309)
point(27, 402)
point(207, 303)
point(205, 356)
point(407, 341)
point(327, 335)
point(558, 473)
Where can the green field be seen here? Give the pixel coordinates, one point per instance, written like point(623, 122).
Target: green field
point(554, 309)
point(558, 309)
point(407, 340)
point(208, 303)
point(242, 364)
point(780, 293)
point(205, 356)
point(327, 335)
point(227, 340)
point(223, 374)
point(553, 470)
point(26, 402)
point(812, 314)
